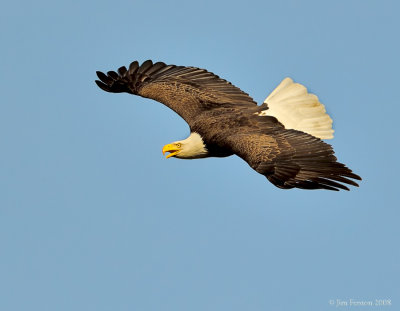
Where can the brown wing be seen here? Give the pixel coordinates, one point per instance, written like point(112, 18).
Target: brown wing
point(293, 159)
point(186, 90)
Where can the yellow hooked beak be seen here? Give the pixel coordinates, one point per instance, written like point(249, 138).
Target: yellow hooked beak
point(172, 148)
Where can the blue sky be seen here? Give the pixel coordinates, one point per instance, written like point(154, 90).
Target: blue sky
point(93, 217)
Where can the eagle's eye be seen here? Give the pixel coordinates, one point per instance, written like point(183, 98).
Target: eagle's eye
point(178, 145)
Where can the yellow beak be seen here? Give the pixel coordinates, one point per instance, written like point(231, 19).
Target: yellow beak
point(170, 148)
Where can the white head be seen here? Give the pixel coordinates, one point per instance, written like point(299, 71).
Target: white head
point(190, 148)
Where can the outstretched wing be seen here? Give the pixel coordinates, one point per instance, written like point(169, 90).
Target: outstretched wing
point(293, 159)
point(186, 90)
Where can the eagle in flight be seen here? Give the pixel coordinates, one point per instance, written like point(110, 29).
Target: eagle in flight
point(280, 139)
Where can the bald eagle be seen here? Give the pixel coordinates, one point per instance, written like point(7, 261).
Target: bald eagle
point(280, 139)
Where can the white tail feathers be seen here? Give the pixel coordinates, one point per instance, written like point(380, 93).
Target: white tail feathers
point(297, 109)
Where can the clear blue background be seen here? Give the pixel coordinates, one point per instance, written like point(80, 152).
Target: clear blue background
point(93, 217)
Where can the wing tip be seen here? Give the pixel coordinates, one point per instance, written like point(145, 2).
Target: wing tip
point(102, 85)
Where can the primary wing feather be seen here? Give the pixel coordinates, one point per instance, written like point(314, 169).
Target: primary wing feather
point(186, 90)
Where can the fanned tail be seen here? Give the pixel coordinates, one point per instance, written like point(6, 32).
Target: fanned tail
point(299, 110)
